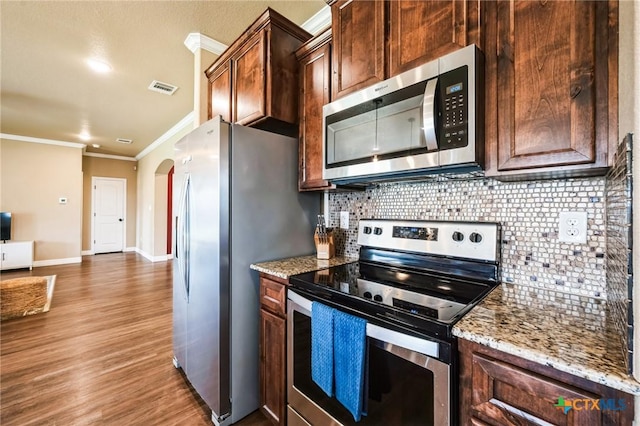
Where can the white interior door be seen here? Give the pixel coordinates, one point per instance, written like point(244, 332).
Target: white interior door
point(108, 214)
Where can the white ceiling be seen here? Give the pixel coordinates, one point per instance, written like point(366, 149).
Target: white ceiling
point(47, 91)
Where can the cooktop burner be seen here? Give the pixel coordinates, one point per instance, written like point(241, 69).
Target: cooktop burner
point(424, 275)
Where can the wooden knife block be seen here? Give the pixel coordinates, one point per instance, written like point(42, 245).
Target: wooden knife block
point(325, 250)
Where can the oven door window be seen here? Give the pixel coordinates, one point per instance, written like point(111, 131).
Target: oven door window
point(399, 391)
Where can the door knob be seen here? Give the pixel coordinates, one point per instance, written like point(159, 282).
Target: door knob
point(121, 220)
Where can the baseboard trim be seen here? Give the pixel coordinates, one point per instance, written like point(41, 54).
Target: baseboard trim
point(130, 249)
point(151, 258)
point(87, 253)
point(53, 262)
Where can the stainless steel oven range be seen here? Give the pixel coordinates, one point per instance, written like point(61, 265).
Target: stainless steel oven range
point(414, 280)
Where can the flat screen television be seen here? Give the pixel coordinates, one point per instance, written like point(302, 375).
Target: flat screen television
point(5, 226)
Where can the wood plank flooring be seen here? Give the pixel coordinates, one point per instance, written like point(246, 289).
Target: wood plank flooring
point(102, 355)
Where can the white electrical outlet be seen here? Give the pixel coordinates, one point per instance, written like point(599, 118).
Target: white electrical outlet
point(573, 227)
point(344, 220)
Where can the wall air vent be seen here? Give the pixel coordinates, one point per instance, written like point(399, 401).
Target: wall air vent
point(124, 141)
point(166, 88)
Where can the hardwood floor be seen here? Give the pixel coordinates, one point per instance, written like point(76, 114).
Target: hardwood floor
point(102, 355)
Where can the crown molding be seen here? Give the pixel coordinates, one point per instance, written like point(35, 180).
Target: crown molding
point(186, 122)
point(319, 21)
point(109, 156)
point(195, 41)
point(43, 141)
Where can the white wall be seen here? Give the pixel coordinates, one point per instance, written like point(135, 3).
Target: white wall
point(33, 176)
point(160, 218)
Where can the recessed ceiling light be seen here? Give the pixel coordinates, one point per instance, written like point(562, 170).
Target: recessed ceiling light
point(84, 135)
point(95, 145)
point(99, 66)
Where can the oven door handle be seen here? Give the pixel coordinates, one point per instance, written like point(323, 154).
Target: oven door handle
point(427, 347)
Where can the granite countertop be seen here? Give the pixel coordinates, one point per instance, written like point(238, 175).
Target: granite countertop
point(284, 268)
point(568, 332)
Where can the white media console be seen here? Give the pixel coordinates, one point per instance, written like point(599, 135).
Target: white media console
point(16, 254)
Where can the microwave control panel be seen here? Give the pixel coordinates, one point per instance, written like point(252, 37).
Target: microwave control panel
point(454, 109)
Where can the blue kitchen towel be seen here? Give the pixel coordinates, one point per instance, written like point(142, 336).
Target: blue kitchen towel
point(349, 341)
point(322, 346)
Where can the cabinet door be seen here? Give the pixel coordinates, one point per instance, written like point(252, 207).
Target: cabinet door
point(220, 92)
point(358, 45)
point(272, 367)
point(421, 31)
point(249, 82)
point(16, 255)
point(315, 74)
point(549, 69)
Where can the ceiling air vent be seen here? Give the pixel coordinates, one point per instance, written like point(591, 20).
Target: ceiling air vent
point(166, 88)
point(124, 141)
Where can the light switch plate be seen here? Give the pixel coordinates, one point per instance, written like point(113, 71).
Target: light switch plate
point(344, 220)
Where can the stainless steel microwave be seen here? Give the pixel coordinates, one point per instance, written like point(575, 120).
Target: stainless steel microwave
point(426, 120)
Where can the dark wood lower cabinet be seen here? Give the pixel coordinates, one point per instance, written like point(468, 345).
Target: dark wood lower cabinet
point(273, 358)
point(500, 389)
point(272, 367)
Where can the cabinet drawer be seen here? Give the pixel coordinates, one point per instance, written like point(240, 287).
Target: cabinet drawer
point(517, 393)
point(273, 296)
point(498, 389)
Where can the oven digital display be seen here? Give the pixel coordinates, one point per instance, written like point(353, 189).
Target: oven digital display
point(415, 233)
point(416, 309)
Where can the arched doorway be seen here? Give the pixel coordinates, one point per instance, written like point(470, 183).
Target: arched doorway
point(162, 222)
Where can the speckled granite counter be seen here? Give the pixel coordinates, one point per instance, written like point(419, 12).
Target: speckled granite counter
point(284, 268)
point(567, 332)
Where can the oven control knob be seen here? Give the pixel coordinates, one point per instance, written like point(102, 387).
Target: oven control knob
point(377, 298)
point(367, 295)
point(475, 237)
point(458, 236)
point(367, 230)
point(377, 231)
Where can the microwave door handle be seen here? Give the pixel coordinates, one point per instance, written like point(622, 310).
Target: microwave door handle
point(429, 115)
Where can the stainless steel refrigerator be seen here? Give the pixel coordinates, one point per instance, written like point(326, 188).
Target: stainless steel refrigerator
point(236, 202)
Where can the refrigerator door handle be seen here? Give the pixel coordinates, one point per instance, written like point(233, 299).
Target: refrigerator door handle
point(182, 235)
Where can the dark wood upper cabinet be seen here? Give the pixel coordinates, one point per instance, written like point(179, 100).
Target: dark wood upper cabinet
point(375, 40)
point(220, 92)
point(358, 45)
point(551, 74)
point(264, 75)
point(250, 85)
point(315, 90)
point(421, 31)
point(551, 86)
